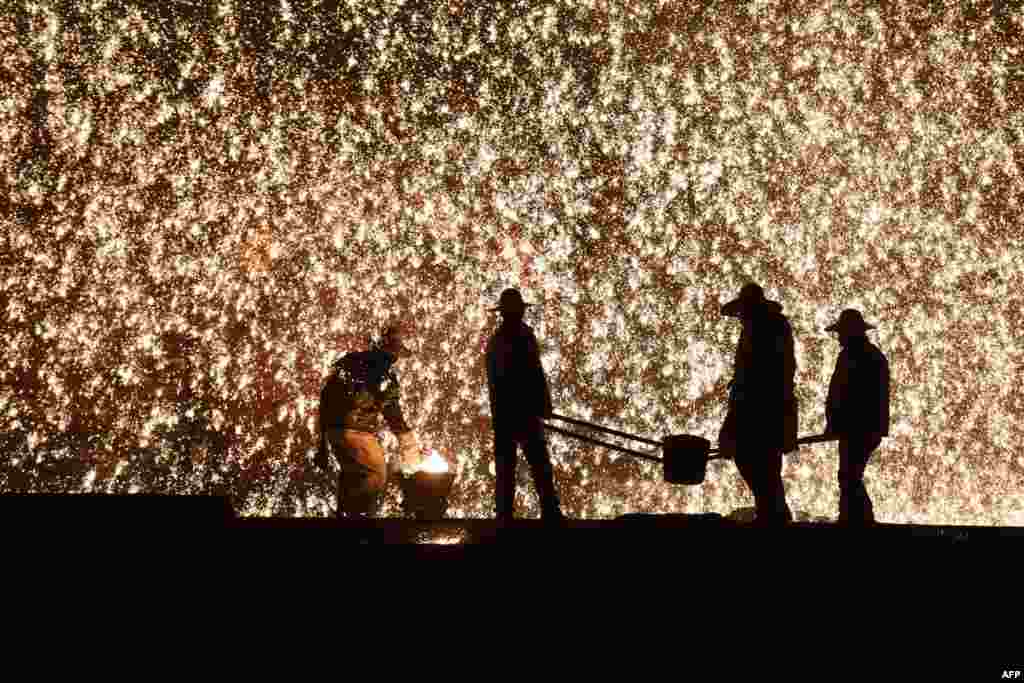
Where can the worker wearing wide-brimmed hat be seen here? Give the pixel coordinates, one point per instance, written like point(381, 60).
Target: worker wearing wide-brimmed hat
point(761, 424)
point(520, 400)
point(857, 411)
point(361, 393)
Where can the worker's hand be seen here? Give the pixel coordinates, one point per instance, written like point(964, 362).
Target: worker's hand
point(321, 460)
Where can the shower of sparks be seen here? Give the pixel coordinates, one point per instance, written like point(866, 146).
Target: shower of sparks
point(204, 203)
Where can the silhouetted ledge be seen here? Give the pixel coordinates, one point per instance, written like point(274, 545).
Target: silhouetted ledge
point(695, 529)
point(90, 508)
point(197, 513)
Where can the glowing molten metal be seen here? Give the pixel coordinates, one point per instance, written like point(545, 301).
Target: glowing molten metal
point(434, 464)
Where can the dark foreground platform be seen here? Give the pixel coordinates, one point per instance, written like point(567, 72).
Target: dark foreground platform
point(199, 515)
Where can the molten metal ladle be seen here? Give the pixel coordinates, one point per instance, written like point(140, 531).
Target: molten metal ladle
point(685, 455)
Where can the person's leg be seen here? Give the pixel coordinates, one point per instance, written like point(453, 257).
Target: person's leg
point(504, 476)
point(761, 469)
point(537, 455)
point(363, 472)
point(346, 479)
point(745, 464)
point(776, 486)
point(871, 444)
point(845, 481)
point(855, 505)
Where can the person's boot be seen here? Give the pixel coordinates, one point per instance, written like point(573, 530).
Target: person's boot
point(553, 517)
point(773, 516)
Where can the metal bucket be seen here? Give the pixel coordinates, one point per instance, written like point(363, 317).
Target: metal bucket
point(685, 459)
point(685, 456)
point(425, 494)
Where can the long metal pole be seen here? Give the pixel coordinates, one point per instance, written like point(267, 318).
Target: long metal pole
point(635, 454)
point(802, 441)
point(817, 438)
point(606, 430)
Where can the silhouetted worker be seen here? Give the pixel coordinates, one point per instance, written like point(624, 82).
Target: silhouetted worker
point(361, 389)
point(520, 400)
point(761, 424)
point(857, 412)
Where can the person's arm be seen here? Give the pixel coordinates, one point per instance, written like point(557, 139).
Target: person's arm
point(838, 403)
point(542, 379)
point(861, 400)
point(489, 363)
point(392, 407)
point(789, 356)
point(409, 452)
point(831, 402)
point(883, 398)
point(548, 406)
point(321, 459)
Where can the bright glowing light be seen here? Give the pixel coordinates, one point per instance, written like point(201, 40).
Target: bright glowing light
point(434, 464)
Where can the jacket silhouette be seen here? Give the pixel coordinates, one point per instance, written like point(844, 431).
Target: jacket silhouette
point(520, 400)
point(361, 395)
point(763, 391)
point(517, 387)
point(858, 394)
point(761, 423)
point(857, 411)
point(361, 391)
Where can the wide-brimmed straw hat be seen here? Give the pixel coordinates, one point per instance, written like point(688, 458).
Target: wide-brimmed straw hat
point(511, 301)
point(851, 322)
point(751, 297)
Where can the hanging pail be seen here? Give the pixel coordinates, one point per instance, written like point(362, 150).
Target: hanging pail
point(685, 459)
point(425, 494)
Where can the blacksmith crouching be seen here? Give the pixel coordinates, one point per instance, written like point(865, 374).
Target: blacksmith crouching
point(361, 392)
